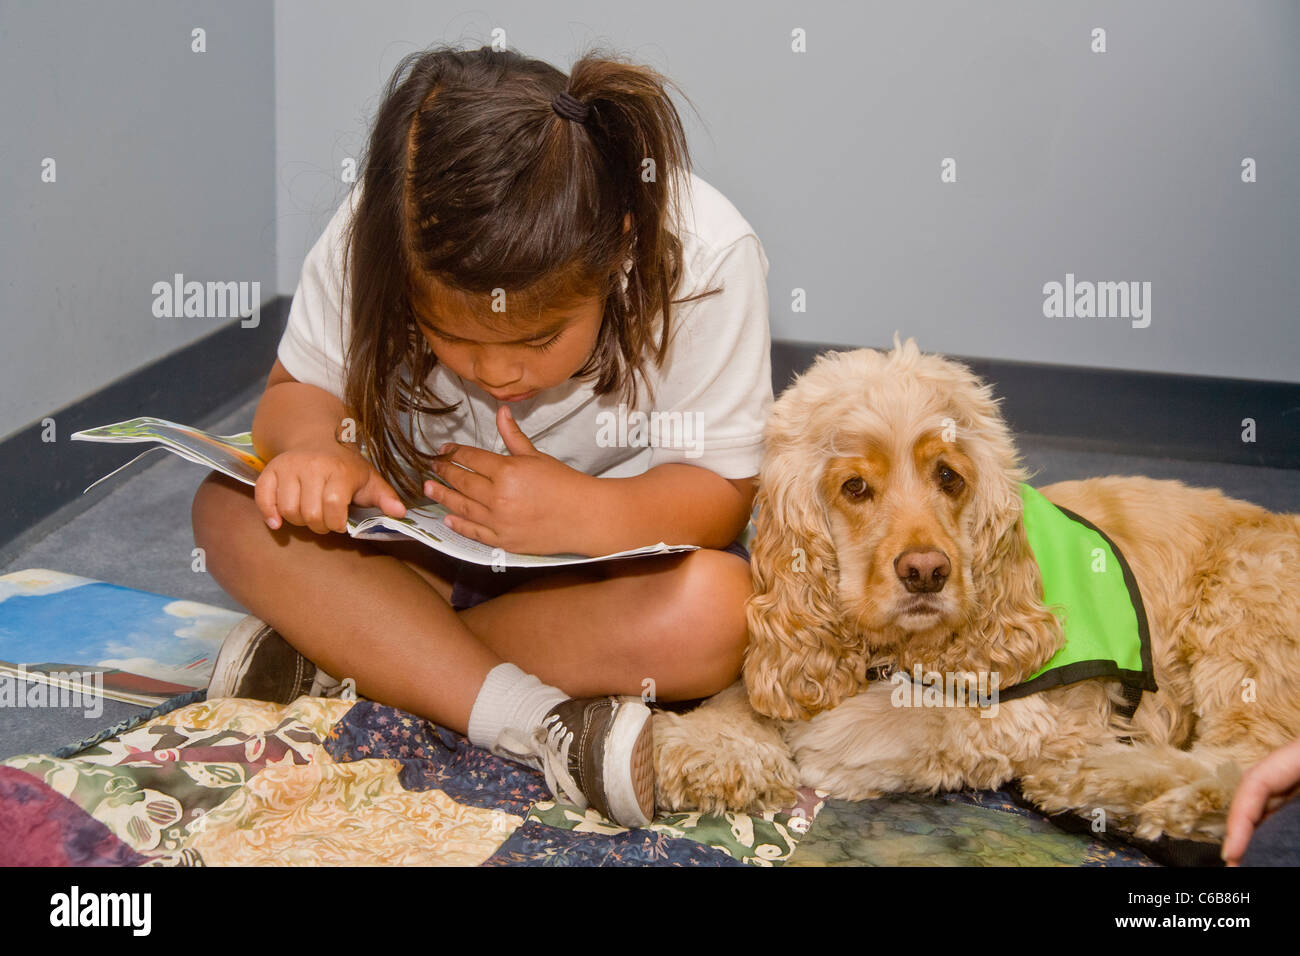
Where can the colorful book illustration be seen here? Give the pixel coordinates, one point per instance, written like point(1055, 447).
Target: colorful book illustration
point(65, 640)
point(233, 455)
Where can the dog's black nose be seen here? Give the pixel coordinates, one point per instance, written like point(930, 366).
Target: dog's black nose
point(923, 572)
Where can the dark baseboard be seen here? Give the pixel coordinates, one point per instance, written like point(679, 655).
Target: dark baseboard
point(193, 385)
point(1140, 413)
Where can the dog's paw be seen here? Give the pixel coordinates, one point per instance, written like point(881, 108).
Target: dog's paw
point(715, 772)
point(1194, 811)
point(705, 792)
point(847, 789)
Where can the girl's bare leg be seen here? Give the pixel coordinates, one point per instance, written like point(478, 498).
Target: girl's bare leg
point(379, 613)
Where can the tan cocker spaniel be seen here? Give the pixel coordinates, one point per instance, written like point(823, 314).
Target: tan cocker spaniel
point(891, 542)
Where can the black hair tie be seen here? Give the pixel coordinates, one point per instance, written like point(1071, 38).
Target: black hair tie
point(570, 107)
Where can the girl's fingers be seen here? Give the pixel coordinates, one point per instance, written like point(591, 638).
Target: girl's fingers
point(470, 483)
point(460, 504)
point(264, 493)
point(377, 493)
point(476, 459)
point(472, 529)
point(310, 503)
point(1246, 811)
point(1262, 790)
point(336, 495)
point(287, 498)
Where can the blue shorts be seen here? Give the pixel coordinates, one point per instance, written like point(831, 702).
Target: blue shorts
point(476, 583)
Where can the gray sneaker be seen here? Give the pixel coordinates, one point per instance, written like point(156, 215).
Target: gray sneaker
point(597, 752)
point(255, 662)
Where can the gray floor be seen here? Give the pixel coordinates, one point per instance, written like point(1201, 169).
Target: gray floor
point(134, 530)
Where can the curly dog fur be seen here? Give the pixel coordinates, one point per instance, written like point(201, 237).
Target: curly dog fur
point(871, 457)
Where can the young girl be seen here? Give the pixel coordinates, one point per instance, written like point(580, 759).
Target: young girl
point(525, 268)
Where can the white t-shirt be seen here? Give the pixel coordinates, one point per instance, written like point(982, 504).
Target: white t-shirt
point(712, 393)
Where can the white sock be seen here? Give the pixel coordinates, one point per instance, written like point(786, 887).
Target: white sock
point(510, 699)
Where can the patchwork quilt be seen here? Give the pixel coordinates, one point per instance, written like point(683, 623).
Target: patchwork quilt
point(332, 782)
point(319, 782)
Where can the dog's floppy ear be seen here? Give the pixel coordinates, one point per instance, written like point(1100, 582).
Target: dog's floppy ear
point(799, 660)
point(1013, 634)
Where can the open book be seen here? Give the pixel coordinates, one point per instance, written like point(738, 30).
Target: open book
point(233, 455)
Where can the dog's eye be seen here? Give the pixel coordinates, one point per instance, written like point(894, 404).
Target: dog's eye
point(950, 483)
point(856, 488)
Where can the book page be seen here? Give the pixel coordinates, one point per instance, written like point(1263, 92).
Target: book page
point(233, 455)
point(423, 522)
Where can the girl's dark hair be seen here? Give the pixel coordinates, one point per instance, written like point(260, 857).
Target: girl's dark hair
point(470, 178)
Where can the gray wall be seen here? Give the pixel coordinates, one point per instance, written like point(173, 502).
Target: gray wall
point(165, 164)
point(1122, 166)
point(225, 166)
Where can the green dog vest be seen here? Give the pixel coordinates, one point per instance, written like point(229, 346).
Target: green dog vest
point(1089, 586)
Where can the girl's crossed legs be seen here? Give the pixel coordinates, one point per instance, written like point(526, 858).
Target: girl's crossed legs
point(380, 613)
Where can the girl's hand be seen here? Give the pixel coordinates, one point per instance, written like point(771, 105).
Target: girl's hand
point(1262, 790)
point(525, 501)
point(313, 486)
